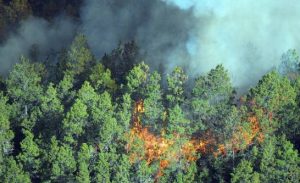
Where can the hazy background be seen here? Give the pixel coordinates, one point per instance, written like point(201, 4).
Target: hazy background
point(247, 37)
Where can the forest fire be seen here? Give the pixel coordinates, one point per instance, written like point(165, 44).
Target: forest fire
point(144, 145)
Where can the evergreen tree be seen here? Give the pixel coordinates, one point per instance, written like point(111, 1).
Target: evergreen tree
point(273, 92)
point(137, 80)
point(24, 87)
point(279, 161)
point(6, 134)
point(153, 103)
point(83, 163)
point(142, 172)
point(30, 154)
point(101, 79)
point(13, 172)
point(60, 161)
point(177, 122)
point(122, 170)
point(211, 98)
point(124, 111)
point(51, 113)
point(290, 65)
point(74, 122)
point(176, 82)
point(79, 57)
point(102, 169)
point(244, 173)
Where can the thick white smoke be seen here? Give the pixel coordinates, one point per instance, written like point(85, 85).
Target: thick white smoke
point(247, 37)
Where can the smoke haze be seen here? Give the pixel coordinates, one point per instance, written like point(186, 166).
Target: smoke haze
point(247, 37)
point(36, 33)
point(161, 31)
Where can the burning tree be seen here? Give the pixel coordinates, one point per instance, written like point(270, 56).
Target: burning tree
point(178, 147)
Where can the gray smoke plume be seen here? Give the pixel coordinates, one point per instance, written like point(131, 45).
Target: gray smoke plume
point(161, 31)
point(247, 37)
point(38, 35)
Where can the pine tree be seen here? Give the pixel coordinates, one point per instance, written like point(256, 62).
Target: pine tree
point(122, 173)
point(153, 103)
point(83, 163)
point(244, 173)
point(24, 87)
point(74, 122)
point(6, 134)
point(280, 162)
point(13, 172)
point(176, 82)
point(30, 154)
point(60, 161)
point(79, 57)
point(51, 113)
point(101, 79)
point(102, 169)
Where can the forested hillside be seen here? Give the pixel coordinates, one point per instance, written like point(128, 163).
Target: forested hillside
point(118, 120)
point(147, 111)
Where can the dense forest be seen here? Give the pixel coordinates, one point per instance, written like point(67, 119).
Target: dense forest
point(116, 119)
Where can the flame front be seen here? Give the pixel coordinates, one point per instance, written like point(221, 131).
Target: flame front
point(157, 148)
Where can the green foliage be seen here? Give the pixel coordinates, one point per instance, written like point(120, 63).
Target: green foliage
point(52, 111)
point(102, 168)
point(101, 79)
point(6, 134)
point(188, 175)
point(142, 172)
point(78, 125)
point(60, 161)
point(122, 171)
point(30, 153)
point(79, 56)
point(273, 92)
point(12, 172)
point(24, 88)
point(74, 122)
point(50, 103)
point(177, 122)
point(23, 83)
point(124, 112)
point(280, 162)
point(88, 95)
point(176, 81)
point(210, 100)
point(83, 161)
point(153, 102)
point(65, 86)
point(215, 87)
point(99, 120)
point(244, 173)
point(137, 78)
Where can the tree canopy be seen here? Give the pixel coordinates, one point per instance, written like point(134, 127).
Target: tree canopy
point(116, 119)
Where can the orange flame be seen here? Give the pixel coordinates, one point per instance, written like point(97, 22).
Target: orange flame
point(155, 148)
